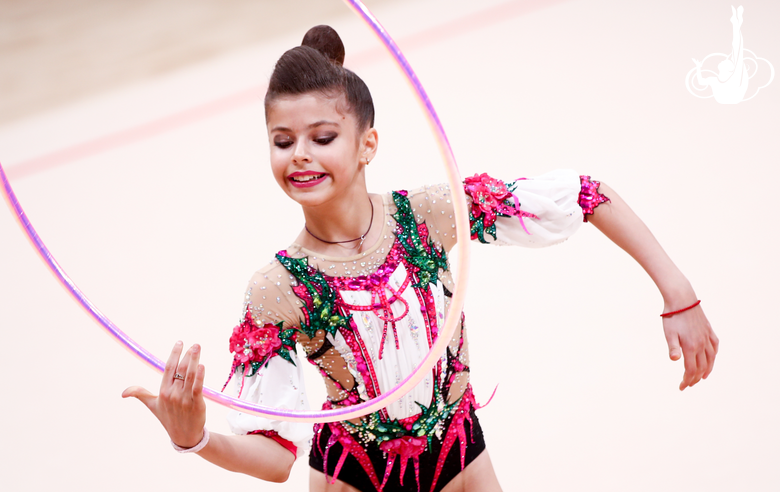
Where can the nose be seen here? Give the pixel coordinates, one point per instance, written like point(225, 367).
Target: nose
point(301, 153)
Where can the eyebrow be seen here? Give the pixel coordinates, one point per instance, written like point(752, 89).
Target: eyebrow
point(313, 125)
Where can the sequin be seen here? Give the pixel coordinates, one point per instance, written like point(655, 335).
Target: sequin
point(253, 345)
point(589, 197)
point(319, 286)
point(272, 434)
point(491, 198)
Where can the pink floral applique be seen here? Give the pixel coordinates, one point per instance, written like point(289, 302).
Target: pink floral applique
point(251, 343)
point(253, 346)
point(491, 198)
point(487, 197)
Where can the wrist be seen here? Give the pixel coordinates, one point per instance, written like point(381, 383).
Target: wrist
point(677, 292)
point(194, 449)
point(669, 314)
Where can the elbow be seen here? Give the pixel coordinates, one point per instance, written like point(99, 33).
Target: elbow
point(280, 479)
point(269, 460)
point(281, 471)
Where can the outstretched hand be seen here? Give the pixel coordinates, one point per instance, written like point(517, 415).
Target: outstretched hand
point(180, 406)
point(690, 336)
point(688, 332)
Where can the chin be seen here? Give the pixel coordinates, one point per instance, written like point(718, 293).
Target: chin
point(309, 198)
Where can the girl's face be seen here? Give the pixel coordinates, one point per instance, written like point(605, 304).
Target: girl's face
point(317, 153)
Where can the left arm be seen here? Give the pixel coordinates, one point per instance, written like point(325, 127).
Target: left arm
point(688, 334)
point(552, 207)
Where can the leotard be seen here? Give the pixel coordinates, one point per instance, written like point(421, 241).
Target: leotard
point(366, 321)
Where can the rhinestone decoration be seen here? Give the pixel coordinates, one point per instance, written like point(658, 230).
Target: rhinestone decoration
point(491, 198)
point(323, 312)
point(589, 197)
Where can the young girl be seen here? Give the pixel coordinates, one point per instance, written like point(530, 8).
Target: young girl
point(364, 289)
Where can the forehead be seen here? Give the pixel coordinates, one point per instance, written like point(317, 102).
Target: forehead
point(300, 111)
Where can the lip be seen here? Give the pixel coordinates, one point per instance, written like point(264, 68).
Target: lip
point(307, 184)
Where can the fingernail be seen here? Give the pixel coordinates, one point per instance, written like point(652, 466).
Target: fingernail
point(195, 348)
point(179, 343)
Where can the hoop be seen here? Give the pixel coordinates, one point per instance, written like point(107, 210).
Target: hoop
point(346, 413)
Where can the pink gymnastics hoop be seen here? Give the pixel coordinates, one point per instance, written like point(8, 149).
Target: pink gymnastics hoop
point(346, 413)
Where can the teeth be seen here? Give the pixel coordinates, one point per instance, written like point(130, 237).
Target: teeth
point(308, 177)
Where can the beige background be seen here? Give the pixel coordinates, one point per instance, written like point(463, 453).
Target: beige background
point(161, 226)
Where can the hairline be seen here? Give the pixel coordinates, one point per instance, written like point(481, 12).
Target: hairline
point(342, 104)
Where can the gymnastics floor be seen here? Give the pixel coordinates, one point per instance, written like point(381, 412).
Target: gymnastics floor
point(149, 182)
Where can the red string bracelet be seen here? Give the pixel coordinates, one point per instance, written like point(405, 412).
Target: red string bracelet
point(666, 315)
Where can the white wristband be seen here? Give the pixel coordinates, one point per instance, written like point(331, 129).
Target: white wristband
point(197, 447)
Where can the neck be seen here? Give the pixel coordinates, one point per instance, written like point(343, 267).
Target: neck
point(345, 219)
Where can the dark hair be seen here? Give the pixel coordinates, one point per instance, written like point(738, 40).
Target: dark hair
point(316, 66)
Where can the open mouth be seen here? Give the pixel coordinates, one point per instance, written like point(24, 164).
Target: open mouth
point(306, 178)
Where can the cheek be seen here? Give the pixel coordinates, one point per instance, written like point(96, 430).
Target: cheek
point(278, 168)
point(342, 156)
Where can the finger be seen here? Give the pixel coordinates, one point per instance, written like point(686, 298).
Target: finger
point(183, 366)
point(715, 342)
point(710, 352)
point(673, 341)
point(701, 366)
point(690, 370)
point(197, 386)
point(170, 365)
point(141, 394)
point(192, 368)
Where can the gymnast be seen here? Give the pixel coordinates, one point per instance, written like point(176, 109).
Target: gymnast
point(364, 290)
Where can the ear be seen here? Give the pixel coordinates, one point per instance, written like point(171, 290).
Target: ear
point(368, 145)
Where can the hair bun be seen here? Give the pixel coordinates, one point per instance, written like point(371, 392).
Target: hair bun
point(326, 40)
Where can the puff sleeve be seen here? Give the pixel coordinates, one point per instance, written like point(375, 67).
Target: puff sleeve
point(266, 369)
point(531, 212)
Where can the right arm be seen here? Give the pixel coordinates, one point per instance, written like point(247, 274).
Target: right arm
point(181, 409)
point(253, 455)
point(265, 371)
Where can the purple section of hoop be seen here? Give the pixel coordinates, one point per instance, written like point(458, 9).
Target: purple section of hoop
point(146, 356)
point(63, 277)
point(138, 350)
point(403, 63)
